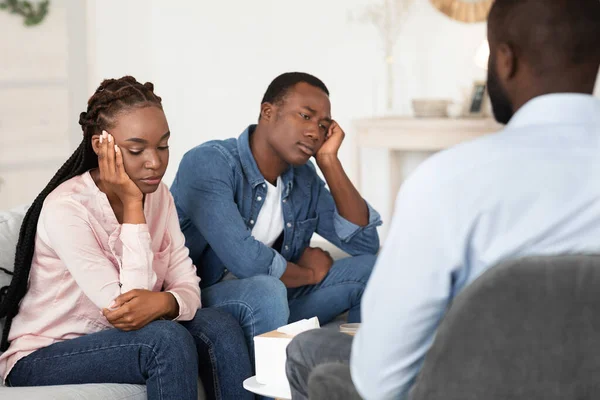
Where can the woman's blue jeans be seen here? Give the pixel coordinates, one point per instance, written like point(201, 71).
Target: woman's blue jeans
point(166, 356)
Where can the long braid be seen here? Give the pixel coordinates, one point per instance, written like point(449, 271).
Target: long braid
point(111, 97)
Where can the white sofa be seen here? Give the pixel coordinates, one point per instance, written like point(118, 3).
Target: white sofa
point(10, 224)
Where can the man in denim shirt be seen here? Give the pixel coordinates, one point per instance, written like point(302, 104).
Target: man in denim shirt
point(249, 206)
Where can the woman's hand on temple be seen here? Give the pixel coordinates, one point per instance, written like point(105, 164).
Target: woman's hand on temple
point(112, 172)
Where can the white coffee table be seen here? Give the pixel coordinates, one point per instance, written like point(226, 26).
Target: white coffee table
point(278, 392)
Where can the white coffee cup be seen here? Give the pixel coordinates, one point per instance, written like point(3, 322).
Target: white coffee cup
point(349, 328)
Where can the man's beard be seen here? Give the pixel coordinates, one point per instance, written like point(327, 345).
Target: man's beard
point(501, 105)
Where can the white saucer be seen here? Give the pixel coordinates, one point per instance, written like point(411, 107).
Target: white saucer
point(279, 392)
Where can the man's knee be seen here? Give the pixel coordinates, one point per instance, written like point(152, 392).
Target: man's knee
point(365, 263)
point(319, 346)
point(356, 269)
point(269, 295)
point(264, 308)
point(267, 285)
point(331, 381)
point(295, 351)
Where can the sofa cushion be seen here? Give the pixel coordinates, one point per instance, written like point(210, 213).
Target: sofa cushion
point(10, 225)
point(90, 391)
point(111, 391)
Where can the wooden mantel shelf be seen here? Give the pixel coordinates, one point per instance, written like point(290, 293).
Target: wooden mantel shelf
point(402, 135)
point(421, 134)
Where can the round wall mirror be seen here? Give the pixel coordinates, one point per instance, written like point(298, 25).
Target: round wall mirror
point(464, 10)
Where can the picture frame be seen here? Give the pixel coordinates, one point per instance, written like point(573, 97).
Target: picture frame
point(478, 101)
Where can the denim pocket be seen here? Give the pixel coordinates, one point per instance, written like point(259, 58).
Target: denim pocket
point(304, 231)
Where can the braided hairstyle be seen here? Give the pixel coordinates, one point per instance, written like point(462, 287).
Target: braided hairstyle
point(112, 97)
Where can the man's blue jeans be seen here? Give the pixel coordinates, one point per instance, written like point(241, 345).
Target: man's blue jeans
point(262, 303)
point(166, 356)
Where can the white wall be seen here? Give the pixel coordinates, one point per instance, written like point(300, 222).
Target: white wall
point(211, 61)
point(41, 74)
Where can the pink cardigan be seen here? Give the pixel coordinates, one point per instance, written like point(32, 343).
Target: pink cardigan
point(84, 259)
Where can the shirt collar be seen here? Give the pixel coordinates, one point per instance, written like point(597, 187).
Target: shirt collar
point(251, 168)
point(557, 108)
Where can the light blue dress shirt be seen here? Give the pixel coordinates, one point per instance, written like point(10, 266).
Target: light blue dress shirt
point(533, 188)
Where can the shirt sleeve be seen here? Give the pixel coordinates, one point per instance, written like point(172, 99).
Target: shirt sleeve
point(207, 198)
point(408, 292)
point(181, 279)
point(352, 238)
point(71, 236)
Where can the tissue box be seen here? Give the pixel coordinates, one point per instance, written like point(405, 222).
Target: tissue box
point(269, 352)
point(269, 356)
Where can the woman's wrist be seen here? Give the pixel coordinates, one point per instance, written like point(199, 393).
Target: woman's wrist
point(170, 309)
point(133, 212)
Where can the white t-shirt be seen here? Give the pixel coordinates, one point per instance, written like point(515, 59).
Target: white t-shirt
point(269, 223)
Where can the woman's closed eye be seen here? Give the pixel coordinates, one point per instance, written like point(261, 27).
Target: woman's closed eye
point(136, 152)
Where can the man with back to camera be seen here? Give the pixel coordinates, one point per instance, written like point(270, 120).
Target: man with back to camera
point(533, 188)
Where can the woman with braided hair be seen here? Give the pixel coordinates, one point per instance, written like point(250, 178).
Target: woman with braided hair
point(103, 289)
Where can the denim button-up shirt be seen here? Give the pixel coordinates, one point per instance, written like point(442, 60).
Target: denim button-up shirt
point(218, 193)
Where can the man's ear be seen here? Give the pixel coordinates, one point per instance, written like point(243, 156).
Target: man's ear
point(506, 61)
point(267, 111)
